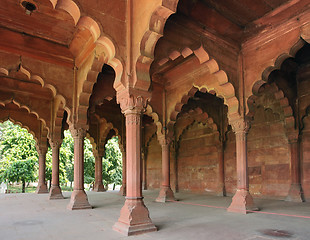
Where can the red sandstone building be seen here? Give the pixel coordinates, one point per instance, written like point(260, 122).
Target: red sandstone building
point(204, 95)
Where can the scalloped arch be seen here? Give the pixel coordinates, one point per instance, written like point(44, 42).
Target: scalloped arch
point(277, 65)
point(149, 40)
point(279, 96)
point(22, 126)
point(68, 6)
point(40, 80)
point(155, 117)
point(3, 103)
point(104, 129)
point(104, 54)
point(93, 143)
point(199, 116)
point(218, 84)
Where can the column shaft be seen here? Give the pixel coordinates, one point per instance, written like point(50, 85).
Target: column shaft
point(134, 217)
point(123, 188)
point(42, 187)
point(55, 191)
point(165, 193)
point(98, 186)
point(242, 201)
point(221, 173)
point(79, 198)
point(295, 193)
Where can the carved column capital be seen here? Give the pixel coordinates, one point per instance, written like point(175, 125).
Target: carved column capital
point(41, 149)
point(55, 143)
point(240, 126)
point(77, 132)
point(164, 140)
point(133, 101)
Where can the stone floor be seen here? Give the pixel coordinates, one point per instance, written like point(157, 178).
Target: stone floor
point(31, 216)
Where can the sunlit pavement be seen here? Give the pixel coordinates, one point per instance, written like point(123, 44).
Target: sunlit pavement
point(31, 216)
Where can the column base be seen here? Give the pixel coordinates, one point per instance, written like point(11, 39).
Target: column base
point(55, 193)
point(242, 202)
point(78, 200)
point(295, 193)
point(42, 188)
point(98, 187)
point(122, 191)
point(165, 195)
point(134, 218)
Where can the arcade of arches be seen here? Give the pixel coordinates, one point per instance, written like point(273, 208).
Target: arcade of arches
point(205, 96)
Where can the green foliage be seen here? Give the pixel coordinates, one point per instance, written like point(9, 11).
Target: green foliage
point(66, 161)
point(19, 157)
point(89, 163)
point(112, 163)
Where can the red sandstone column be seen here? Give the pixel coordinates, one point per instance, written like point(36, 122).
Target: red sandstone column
point(122, 191)
point(42, 187)
point(98, 185)
point(55, 191)
point(295, 192)
point(221, 176)
point(134, 217)
point(165, 193)
point(144, 169)
point(242, 201)
point(79, 198)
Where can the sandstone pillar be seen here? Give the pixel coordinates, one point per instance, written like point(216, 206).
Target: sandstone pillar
point(144, 171)
point(122, 191)
point(79, 198)
point(295, 192)
point(242, 201)
point(134, 217)
point(221, 175)
point(165, 193)
point(55, 191)
point(98, 185)
point(42, 187)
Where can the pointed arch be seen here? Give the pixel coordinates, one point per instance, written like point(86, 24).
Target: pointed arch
point(281, 106)
point(277, 65)
point(104, 54)
point(159, 127)
point(208, 78)
point(23, 117)
point(196, 115)
point(149, 40)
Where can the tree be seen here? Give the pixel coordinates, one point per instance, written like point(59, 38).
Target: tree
point(89, 163)
point(19, 158)
point(112, 163)
point(66, 161)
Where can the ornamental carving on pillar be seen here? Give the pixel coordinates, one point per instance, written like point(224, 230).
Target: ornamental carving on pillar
point(41, 149)
point(55, 143)
point(164, 140)
point(132, 119)
point(133, 100)
point(240, 126)
point(78, 132)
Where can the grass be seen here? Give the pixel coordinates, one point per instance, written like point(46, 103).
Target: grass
point(18, 189)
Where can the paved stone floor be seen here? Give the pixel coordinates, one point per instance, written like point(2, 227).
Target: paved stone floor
point(31, 217)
